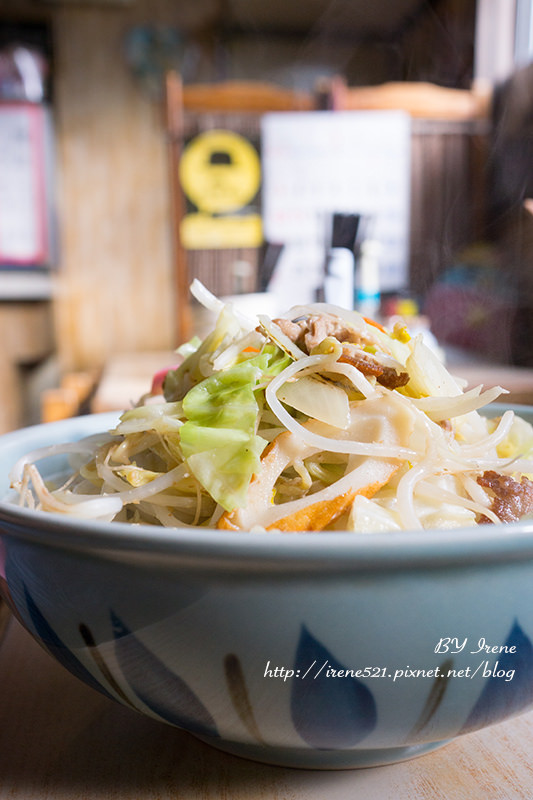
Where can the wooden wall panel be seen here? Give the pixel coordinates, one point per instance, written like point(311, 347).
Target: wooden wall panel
point(448, 204)
point(114, 279)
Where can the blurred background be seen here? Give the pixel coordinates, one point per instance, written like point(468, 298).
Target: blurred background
point(379, 155)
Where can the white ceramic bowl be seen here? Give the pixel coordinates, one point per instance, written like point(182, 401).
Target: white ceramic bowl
point(326, 650)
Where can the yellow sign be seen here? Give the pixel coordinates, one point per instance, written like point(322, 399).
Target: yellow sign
point(220, 173)
point(201, 231)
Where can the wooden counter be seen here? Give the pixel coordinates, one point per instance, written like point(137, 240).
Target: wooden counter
point(26, 339)
point(126, 377)
point(60, 740)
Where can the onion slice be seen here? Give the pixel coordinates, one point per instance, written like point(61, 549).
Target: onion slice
point(318, 399)
point(441, 408)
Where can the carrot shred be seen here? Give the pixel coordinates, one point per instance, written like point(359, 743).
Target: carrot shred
point(375, 324)
point(251, 350)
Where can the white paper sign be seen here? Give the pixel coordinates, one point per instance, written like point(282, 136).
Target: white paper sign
point(354, 162)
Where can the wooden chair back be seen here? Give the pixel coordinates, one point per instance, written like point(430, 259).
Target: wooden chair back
point(419, 99)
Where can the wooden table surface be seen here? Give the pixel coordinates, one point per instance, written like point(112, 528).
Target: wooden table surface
point(60, 740)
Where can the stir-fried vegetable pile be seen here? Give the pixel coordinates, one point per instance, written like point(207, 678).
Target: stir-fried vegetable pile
point(319, 420)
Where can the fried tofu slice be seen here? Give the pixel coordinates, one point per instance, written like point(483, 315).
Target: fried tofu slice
point(311, 513)
point(372, 421)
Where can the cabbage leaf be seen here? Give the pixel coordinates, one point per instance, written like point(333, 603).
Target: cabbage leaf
point(219, 440)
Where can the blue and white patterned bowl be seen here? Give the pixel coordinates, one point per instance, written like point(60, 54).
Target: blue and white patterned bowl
point(327, 650)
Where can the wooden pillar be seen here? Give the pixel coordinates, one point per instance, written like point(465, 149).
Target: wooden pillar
point(181, 280)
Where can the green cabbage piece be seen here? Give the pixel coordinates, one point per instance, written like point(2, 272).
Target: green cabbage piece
point(180, 380)
point(219, 440)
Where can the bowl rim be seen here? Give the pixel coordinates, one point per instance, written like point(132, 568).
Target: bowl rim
point(326, 551)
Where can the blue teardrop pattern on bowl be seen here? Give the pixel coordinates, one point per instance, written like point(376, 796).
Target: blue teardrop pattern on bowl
point(500, 698)
point(160, 689)
point(328, 713)
point(57, 648)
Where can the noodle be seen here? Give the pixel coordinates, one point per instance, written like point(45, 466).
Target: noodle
point(255, 433)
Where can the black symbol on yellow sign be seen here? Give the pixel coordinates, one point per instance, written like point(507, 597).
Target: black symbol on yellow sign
point(220, 173)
